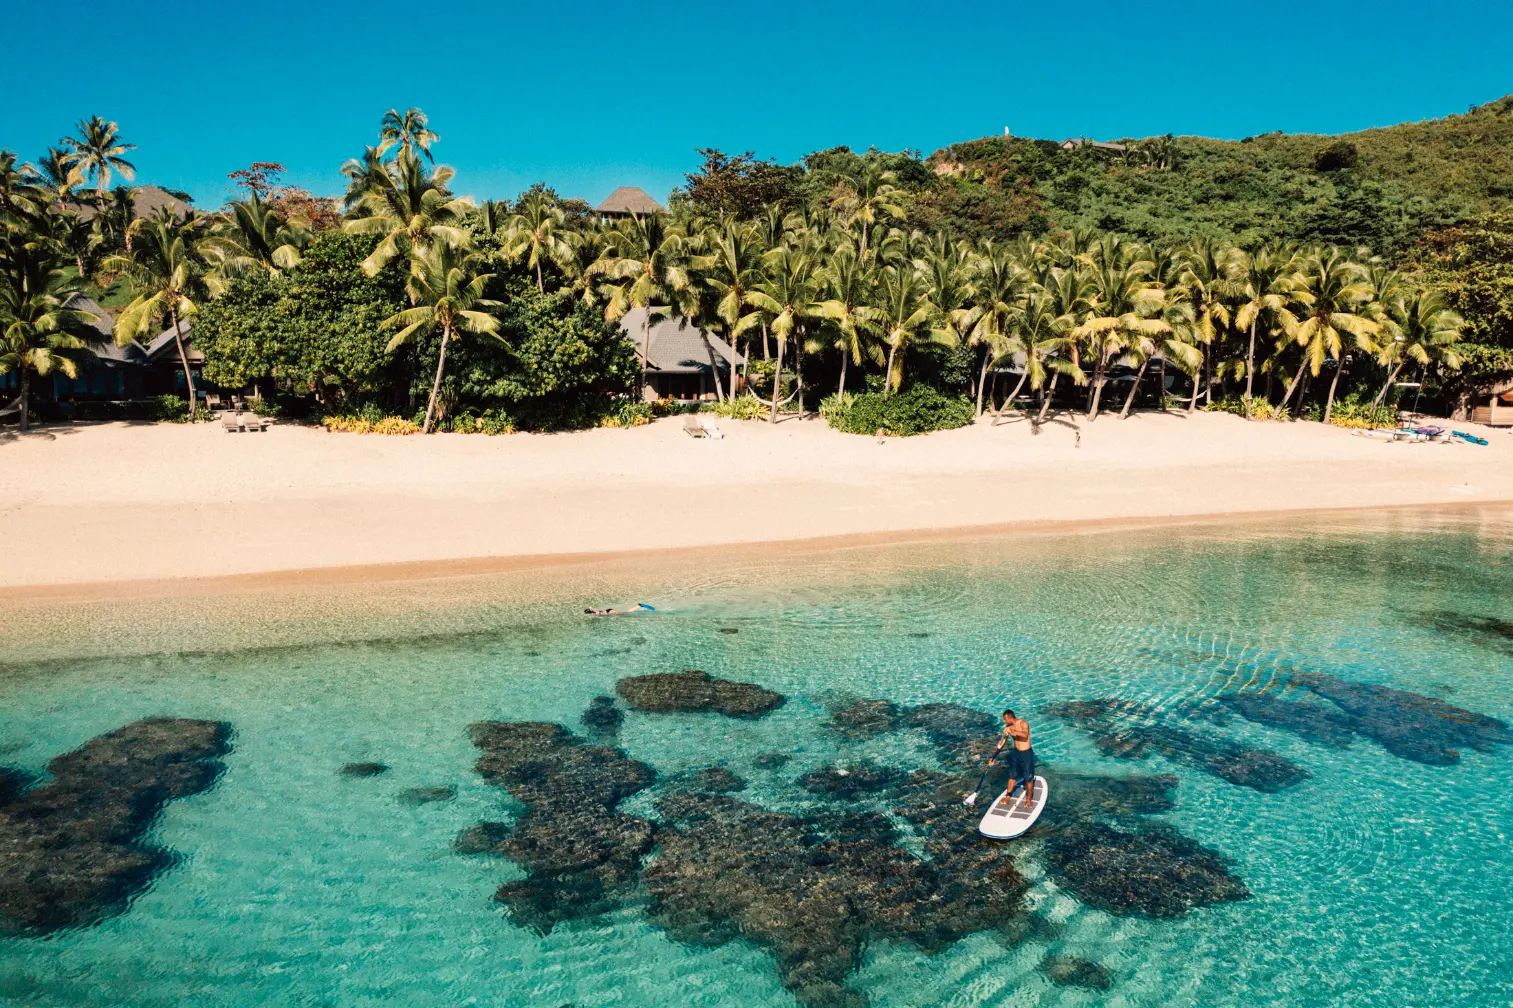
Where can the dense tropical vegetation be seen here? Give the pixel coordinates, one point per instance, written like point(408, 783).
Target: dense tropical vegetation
point(1274, 277)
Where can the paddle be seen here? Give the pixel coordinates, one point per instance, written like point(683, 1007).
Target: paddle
point(970, 798)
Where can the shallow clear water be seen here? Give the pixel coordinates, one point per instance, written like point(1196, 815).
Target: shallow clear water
point(1376, 880)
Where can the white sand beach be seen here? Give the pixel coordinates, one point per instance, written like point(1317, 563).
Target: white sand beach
point(119, 502)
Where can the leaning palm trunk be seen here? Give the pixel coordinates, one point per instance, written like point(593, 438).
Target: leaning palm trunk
point(1387, 384)
point(840, 391)
point(25, 420)
point(1161, 383)
point(645, 349)
point(1045, 403)
point(888, 378)
point(1092, 411)
point(540, 285)
point(777, 382)
point(982, 381)
point(441, 364)
point(1282, 406)
point(1135, 389)
point(1013, 395)
point(178, 340)
point(1250, 367)
point(1339, 366)
point(798, 371)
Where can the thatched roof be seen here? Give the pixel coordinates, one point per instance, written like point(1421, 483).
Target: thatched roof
point(630, 200)
point(146, 201)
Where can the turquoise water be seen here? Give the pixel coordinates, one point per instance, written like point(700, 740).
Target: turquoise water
point(1375, 880)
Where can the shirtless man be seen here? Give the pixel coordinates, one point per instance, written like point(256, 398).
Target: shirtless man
point(1021, 758)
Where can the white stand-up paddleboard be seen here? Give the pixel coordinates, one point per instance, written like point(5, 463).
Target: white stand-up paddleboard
point(1008, 817)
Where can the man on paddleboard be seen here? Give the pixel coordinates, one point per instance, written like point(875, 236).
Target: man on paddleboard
point(1021, 761)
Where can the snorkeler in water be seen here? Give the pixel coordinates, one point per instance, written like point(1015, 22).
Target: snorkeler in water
point(639, 608)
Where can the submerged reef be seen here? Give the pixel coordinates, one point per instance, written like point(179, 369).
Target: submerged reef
point(867, 718)
point(362, 769)
point(1487, 630)
point(602, 715)
point(1066, 971)
point(578, 850)
point(692, 690)
point(1415, 727)
point(849, 783)
point(716, 779)
point(1315, 722)
point(891, 855)
point(814, 890)
point(1151, 873)
point(1125, 729)
point(71, 851)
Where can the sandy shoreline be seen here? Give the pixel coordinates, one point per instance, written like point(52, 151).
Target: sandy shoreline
point(117, 508)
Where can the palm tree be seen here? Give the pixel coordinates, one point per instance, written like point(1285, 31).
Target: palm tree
point(118, 213)
point(1334, 288)
point(167, 273)
point(1177, 344)
point(98, 151)
point(1420, 327)
point(55, 177)
point(867, 198)
point(1123, 306)
point(999, 287)
point(904, 314)
point(408, 132)
point(849, 286)
point(650, 271)
point(1210, 276)
point(255, 234)
point(38, 334)
point(1069, 289)
point(786, 297)
point(534, 232)
point(448, 297)
point(731, 269)
point(409, 206)
point(1269, 289)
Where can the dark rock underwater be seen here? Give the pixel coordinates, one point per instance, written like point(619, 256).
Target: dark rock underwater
point(70, 849)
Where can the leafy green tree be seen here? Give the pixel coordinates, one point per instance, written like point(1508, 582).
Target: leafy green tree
point(741, 184)
point(448, 294)
point(98, 150)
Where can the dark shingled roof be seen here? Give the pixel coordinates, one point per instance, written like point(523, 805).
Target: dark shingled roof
point(630, 200)
point(678, 347)
point(104, 347)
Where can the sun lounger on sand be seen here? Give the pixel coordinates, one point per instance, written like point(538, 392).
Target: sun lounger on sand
point(693, 427)
point(230, 422)
point(712, 429)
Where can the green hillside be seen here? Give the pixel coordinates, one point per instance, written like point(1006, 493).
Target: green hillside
point(1379, 187)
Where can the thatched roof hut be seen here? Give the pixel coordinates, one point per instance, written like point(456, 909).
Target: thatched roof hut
point(628, 200)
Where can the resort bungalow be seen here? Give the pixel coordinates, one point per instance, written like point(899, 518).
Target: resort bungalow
point(109, 372)
point(1492, 404)
point(681, 358)
point(628, 201)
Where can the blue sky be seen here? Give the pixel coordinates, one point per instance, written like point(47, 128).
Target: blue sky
point(588, 96)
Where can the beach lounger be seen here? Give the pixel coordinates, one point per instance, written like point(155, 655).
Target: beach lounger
point(253, 422)
point(712, 429)
point(230, 422)
point(693, 427)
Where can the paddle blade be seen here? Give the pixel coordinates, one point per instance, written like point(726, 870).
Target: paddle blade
point(969, 799)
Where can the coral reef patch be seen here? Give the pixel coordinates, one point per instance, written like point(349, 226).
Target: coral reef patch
point(1067, 971)
point(579, 851)
point(1125, 729)
point(814, 890)
point(867, 718)
point(602, 715)
point(1151, 873)
point(851, 782)
point(692, 691)
point(717, 780)
point(71, 850)
point(1414, 727)
point(362, 769)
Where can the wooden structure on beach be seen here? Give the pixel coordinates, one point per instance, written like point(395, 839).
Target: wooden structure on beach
point(682, 359)
point(1492, 405)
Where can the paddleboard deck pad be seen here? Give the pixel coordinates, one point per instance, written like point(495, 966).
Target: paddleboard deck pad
point(1008, 817)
